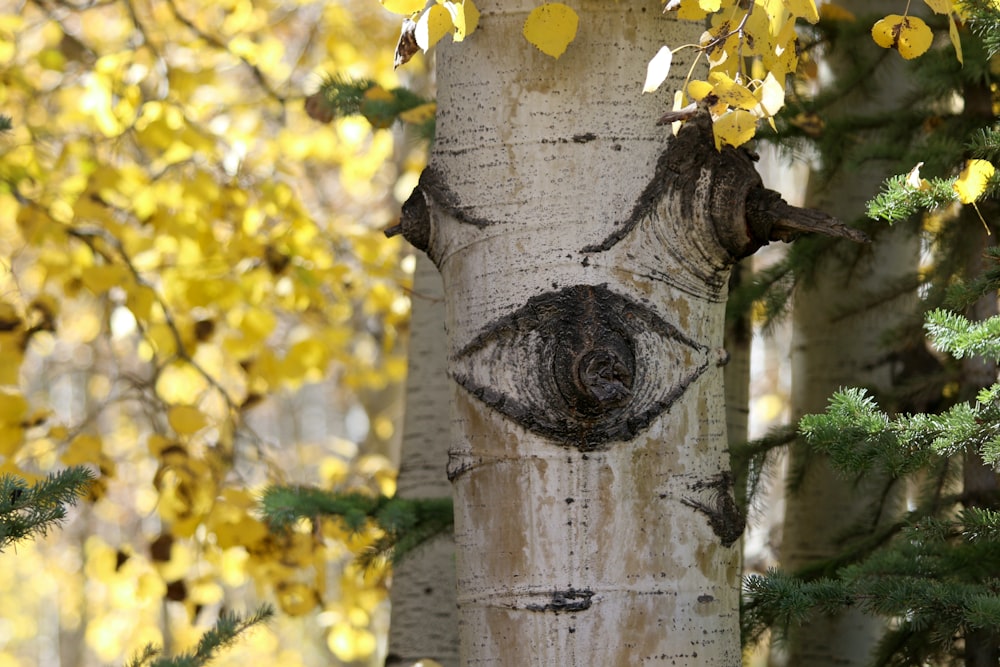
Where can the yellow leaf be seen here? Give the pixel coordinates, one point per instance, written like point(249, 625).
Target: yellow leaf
point(771, 94)
point(734, 128)
point(13, 408)
point(690, 10)
point(99, 279)
point(732, 93)
point(551, 27)
point(464, 16)
point(697, 90)
point(907, 34)
point(83, 449)
point(940, 6)
point(186, 419)
point(419, 114)
point(805, 9)
point(432, 25)
point(832, 12)
point(955, 41)
point(971, 183)
point(404, 7)
point(658, 68)
point(710, 6)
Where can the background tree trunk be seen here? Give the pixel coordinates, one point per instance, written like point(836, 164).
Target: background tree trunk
point(838, 341)
point(424, 610)
point(594, 518)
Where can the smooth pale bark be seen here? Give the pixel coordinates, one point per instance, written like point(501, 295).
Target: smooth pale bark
point(570, 555)
point(424, 611)
point(837, 343)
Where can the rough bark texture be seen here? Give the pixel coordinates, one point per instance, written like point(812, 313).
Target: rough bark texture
point(585, 262)
point(424, 620)
point(837, 342)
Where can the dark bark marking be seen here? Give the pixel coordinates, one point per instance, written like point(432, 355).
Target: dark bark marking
point(570, 600)
point(725, 517)
point(744, 215)
point(579, 386)
point(584, 138)
point(415, 221)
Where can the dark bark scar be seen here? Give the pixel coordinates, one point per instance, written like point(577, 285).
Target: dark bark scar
point(725, 517)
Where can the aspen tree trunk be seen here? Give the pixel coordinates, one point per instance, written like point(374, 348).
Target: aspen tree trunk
point(837, 342)
point(424, 622)
point(980, 481)
point(585, 261)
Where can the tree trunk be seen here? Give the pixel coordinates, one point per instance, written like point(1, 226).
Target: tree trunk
point(585, 264)
point(980, 482)
point(424, 621)
point(836, 342)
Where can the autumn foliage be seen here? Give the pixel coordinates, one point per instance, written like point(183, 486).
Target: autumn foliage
point(187, 261)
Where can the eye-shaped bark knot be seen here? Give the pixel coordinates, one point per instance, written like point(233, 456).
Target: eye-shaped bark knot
point(595, 380)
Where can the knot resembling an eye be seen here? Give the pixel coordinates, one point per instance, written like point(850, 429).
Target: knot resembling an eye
point(591, 366)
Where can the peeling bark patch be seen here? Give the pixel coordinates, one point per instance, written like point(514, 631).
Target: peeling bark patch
point(589, 366)
point(725, 517)
point(569, 601)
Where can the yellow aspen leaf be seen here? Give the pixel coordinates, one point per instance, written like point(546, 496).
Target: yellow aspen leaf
point(296, 598)
point(419, 114)
point(971, 183)
point(83, 449)
point(658, 68)
point(771, 96)
point(732, 93)
point(551, 27)
point(710, 6)
point(690, 10)
point(13, 408)
point(464, 16)
point(955, 41)
point(180, 381)
point(432, 25)
point(734, 128)
point(186, 419)
point(404, 7)
point(698, 90)
point(805, 9)
point(907, 34)
point(940, 6)
point(99, 279)
point(834, 12)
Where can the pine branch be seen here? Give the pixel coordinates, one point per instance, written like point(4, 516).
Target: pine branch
point(898, 201)
point(983, 17)
point(228, 629)
point(956, 335)
point(29, 511)
point(407, 523)
point(338, 97)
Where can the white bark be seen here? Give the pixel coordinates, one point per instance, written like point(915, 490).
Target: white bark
point(836, 343)
point(576, 552)
point(424, 611)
